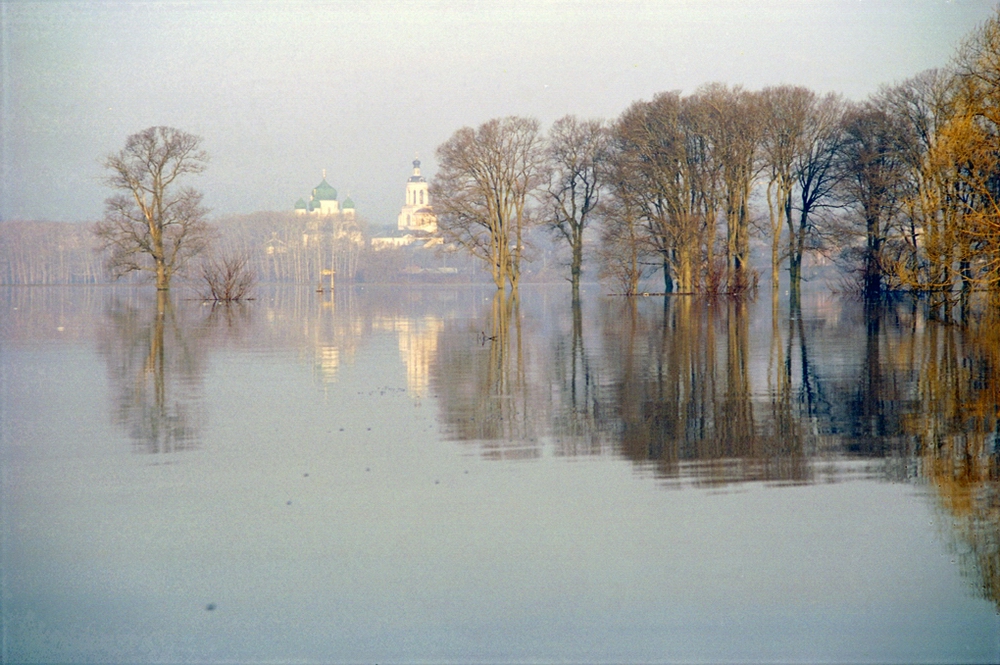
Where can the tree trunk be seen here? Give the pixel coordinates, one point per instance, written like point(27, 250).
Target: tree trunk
point(576, 266)
point(162, 276)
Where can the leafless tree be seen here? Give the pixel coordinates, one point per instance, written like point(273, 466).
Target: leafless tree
point(152, 224)
point(873, 179)
point(228, 278)
point(47, 253)
point(801, 143)
point(656, 178)
point(734, 131)
point(622, 252)
point(482, 189)
point(785, 110)
point(818, 174)
point(577, 151)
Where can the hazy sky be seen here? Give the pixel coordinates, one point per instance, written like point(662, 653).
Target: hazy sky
point(280, 91)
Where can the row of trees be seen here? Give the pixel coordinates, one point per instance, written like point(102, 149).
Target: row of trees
point(278, 247)
point(48, 253)
point(902, 187)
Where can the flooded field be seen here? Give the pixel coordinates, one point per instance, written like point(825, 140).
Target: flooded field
point(414, 474)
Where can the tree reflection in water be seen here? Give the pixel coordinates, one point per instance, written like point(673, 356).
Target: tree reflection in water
point(483, 388)
point(954, 425)
point(156, 363)
point(575, 381)
point(692, 392)
point(682, 399)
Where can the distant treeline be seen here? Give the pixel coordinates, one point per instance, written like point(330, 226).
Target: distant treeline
point(282, 247)
point(49, 253)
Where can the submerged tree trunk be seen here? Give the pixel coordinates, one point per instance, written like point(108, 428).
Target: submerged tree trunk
point(668, 280)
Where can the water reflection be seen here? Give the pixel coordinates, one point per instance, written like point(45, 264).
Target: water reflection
point(693, 391)
point(480, 379)
point(323, 496)
point(681, 399)
point(575, 382)
point(156, 364)
point(418, 348)
point(952, 421)
point(706, 393)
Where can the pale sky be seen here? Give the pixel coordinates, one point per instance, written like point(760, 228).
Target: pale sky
point(280, 91)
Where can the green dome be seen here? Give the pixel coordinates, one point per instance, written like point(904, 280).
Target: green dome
point(301, 204)
point(324, 192)
point(348, 203)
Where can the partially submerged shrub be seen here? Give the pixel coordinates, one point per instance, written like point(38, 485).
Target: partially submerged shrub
point(228, 278)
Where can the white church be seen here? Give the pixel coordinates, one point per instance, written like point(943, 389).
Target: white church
point(417, 213)
point(416, 223)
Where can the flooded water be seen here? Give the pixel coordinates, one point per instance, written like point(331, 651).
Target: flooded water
point(435, 474)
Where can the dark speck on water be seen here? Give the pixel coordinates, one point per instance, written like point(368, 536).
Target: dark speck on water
point(210, 607)
point(289, 503)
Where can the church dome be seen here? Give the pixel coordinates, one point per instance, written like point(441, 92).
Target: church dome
point(324, 192)
point(416, 177)
point(348, 203)
point(301, 205)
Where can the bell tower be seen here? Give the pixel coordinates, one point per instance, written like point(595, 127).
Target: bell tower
point(417, 213)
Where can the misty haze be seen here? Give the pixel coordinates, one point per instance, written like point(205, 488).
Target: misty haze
point(597, 332)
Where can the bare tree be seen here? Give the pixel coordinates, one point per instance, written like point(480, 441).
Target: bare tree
point(799, 151)
point(818, 174)
point(873, 153)
point(623, 245)
point(47, 253)
point(228, 278)
point(657, 181)
point(785, 110)
point(152, 224)
point(577, 151)
point(484, 181)
point(734, 131)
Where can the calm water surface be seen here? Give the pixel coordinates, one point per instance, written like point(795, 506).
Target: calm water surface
point(435, 474)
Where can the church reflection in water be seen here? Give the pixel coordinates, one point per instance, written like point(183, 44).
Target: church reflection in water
point(692, 392)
